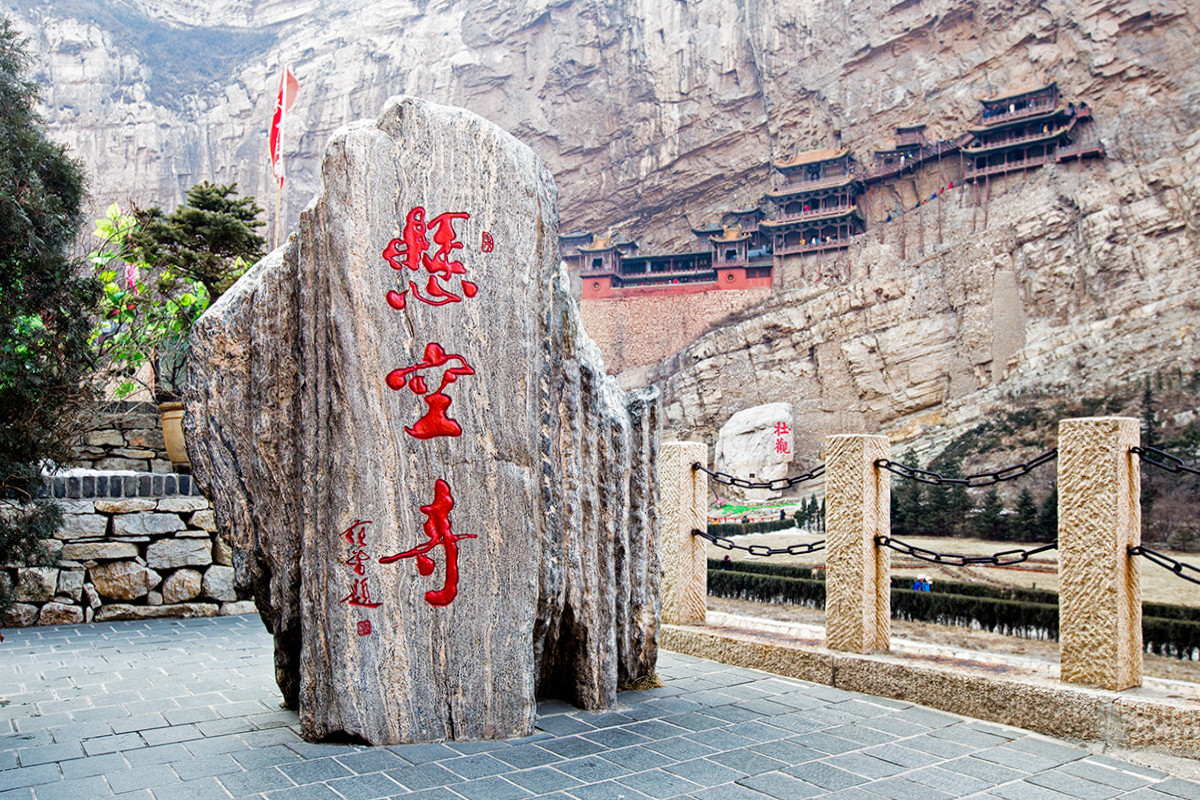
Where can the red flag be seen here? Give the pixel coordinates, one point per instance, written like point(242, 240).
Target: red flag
point(288, 88)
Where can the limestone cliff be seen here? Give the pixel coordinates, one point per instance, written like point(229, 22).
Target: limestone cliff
point(652, 111)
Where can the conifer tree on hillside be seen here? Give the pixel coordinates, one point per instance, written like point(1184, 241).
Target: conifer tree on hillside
point(45, 306)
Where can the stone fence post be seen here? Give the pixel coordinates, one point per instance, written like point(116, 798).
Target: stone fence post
point(1099, 518)
point(683, 507)
point(858, 572)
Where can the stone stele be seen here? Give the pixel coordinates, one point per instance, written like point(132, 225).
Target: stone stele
point(754, 446)
point(401, 393)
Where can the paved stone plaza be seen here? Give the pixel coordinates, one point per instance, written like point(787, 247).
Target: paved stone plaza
point(188, 710)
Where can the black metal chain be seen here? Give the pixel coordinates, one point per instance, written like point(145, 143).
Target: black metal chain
point(970, 481)
point(777, 485)
point(1166, 562)
point(1162, 460)
point(725, 543)
point(1004, 558)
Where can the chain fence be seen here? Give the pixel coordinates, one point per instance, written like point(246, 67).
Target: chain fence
point(777, 485)
point(725, 543)
point(1166, 562)
point(969, 481)
point(1005, 558)
point(1163, 460)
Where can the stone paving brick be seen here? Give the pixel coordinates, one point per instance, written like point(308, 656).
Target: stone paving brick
point(658, 783)
point(263, 757)
point(193, 769)
point(315, 771)
point(721, 739)
point(900, 788)
point(1178, 788)
point(113, 744)
point(563, 725)
point(681, 749)
point(314, 791)
point(705, 772)
point(592, 769)
point(1027, 791)
point(422, 753)
point(437, 793)
point(1117, 778)
point(863, 764)
point(901, 755)
point(825, 775)
point(730, 791)
point(1074, 786)
point(748, 761)
point(861, 734)
point(781, 786)
point(201, 789)
point(91, 787)
point(606, 790)
point(938, 747)
point(826, 743)
point(143, 777)
point(1026, 762)
point(44, 754)
point(956, 784)
point(367, 787)
point(571, 747)
point(377, 759)
point(614, 737)
point(491, 788)
point(543, 779)
point(215, 745)
point(423, 776)
point(984, 770)
point(637, 759)
point(255, 781)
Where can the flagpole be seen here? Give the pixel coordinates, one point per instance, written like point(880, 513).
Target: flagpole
point(279, 150)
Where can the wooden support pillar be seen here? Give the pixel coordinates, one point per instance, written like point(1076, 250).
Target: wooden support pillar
point(858, 572)
point(1099, 519)
point(683, 503)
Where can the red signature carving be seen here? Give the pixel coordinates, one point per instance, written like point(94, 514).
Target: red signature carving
point(436, 421)
point(409, 251)
point(437, 528)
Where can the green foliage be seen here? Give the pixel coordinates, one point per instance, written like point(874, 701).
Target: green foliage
point(1024, 527)
point(991, 523)
point(742, 528)
point(1047, 521)
point(44, 307)
point(160, 273)
point(210, 239)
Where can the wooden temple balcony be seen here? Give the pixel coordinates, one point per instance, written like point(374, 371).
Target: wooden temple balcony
point(1030, 110)
point(1030, 138)
point(797, 186)
point(812, 214)
point(1090, 149)
point(974, 173)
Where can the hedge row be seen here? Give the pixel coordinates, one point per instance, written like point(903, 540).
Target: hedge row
point(1170, 637)
point(743, 528)
point(1039, 596)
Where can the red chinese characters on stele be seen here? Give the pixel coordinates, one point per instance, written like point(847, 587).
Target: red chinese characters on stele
point(445, 281)
point(436, 421)
point(781, 444)
point(437, 529)
point(360, 587)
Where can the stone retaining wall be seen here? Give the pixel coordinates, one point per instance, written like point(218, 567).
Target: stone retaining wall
point(132, 547)
point(124, 435)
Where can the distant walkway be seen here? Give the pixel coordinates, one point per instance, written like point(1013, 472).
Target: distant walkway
point(188, 710)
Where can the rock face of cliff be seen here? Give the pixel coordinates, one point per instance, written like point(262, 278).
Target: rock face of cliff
point(650, 112)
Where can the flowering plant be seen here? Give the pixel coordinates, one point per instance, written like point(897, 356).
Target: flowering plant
point(146, 312)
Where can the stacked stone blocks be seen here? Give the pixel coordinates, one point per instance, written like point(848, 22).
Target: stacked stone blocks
point(131, 547)
point(125, 435)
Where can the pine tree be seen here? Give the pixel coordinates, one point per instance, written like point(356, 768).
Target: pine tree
point(210, 238)
point(1025, 528)
point(1047, 521)
point(991, 522)
point(45, 308)
point(1150, 438)
point(910, 510)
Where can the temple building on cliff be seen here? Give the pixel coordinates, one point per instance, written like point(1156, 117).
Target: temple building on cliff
point(816, 207)
point(821, 204)
point(1026, 130)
